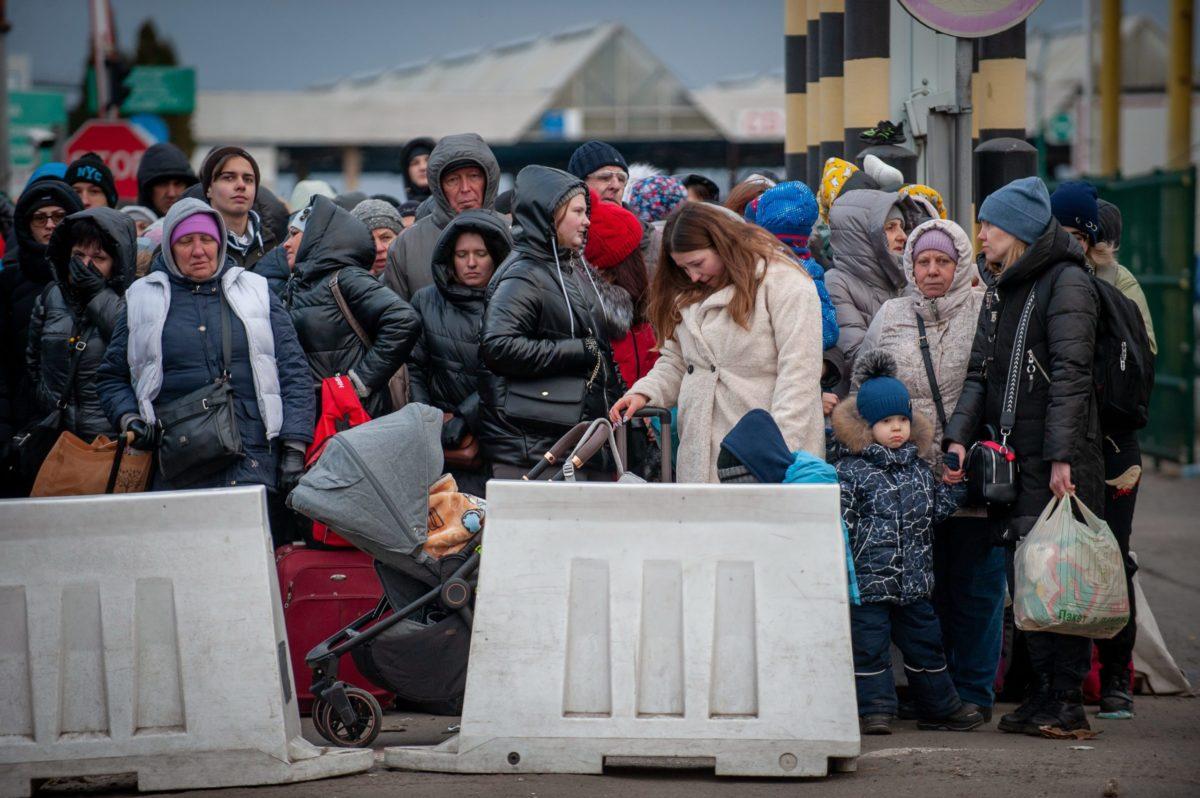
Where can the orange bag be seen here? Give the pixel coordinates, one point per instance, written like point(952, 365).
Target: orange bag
point(76, 468)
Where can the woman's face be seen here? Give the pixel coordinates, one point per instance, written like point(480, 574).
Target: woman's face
point(196, 255)
point(1081, 237)
point(934, 272)
point(291, 245)
point(894, 230)
point(994, 243)
point(94, 254)
point(701, 266)
point(473, 264)
point(571, 229)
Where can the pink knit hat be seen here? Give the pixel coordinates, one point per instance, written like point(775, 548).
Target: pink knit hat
point(938, 240)
point(196, 223)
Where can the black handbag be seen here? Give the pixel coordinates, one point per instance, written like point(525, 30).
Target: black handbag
point(554, 401)
point(199, 431)
point(36, 439)
point(992, 465)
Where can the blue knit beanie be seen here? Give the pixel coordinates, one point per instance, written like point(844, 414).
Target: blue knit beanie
point(1074, 205)
point(591, 155)
point(787, 209)
point(880, 394)
point(1022, 208)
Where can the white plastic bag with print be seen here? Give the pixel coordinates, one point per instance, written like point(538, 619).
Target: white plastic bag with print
point(1070, 577)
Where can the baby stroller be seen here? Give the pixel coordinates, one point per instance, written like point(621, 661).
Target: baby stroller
point(372, 486)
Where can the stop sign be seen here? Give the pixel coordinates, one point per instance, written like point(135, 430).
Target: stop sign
point(120, 144)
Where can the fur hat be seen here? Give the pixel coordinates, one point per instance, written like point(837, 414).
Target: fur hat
point(880, 394)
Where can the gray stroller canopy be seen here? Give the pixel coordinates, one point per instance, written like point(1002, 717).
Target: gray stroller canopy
point(371, 484)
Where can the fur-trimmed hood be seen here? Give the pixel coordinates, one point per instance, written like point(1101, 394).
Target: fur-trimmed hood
point(853, 432)
point(616, 306)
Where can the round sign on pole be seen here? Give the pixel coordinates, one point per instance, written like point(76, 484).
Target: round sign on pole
point(970, 19)
point(119, 143)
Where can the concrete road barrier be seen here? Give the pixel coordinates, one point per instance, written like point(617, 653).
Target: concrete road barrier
point(693, 625)
point(143, 633)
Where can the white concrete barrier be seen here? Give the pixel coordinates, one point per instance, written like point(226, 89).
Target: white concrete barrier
point(143, 633)
point(695, 625)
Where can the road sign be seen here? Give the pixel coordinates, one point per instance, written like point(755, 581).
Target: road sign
point(970, 19)
point(119, 144)
point(154, 90)
point(34, 117)
point(1061, 129)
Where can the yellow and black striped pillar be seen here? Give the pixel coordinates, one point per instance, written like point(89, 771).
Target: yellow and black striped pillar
point(795, 76)
point(813, 77)
point(832, 31)
point(999, 90)
point(867, 70)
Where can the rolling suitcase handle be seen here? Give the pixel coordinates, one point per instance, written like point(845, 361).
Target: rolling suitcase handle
point(664, 417)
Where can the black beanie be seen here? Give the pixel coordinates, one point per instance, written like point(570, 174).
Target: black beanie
point(90, 168)
point(592, 155)
point(216, 157)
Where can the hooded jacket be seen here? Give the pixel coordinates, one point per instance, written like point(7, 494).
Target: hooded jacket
point(444, 368)
point(410, 257)
point(950, 323)
point(21, 285)
point(865, 273)
point(538, 314)
point(273, 397)
point(890, 504)
point(163, 160)
point(413, 192)
point(61, 316)
point(1057, 418)
point(336, 243)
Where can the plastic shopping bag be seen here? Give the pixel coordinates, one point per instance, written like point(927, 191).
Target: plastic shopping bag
point(1070, 577)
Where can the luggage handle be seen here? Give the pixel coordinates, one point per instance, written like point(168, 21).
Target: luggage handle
point(664, 418)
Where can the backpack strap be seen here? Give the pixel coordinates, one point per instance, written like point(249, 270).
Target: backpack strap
point(933, 384)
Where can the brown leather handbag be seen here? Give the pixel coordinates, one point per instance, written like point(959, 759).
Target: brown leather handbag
point(467, 455)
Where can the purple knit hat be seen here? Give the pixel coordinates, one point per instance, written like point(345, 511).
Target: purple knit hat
point(196, 223)
point(653, 198)
point(935, 239)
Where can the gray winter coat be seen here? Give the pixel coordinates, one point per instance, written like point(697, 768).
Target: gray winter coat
point(950, 323)
point(865, 273)
point(410, 257)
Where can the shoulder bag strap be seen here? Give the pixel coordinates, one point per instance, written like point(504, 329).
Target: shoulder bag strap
point(226, 337)
point(1008, 412)
point(78, 343)
point(933, 384)
point(345, 308)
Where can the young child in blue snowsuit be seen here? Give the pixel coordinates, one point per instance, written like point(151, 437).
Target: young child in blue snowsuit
point(890, 504)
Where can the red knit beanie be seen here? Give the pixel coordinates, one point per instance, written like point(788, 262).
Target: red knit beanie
point(613, 236)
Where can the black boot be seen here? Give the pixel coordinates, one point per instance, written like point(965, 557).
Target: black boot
point(875, 724)
point(1064, 711)
point(965, 718)
point(1116, 702)
point(1017, 722)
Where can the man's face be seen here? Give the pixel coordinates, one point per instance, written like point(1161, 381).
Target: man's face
point(609, 182)
point(233, 187)
point(166, 193)
point(418, 170)
point(43, 221)
point(90, 194)
point(464, 188)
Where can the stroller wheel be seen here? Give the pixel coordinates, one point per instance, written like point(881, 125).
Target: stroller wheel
point(368, 720)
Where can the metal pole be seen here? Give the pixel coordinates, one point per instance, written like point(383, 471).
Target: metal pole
point(795, 76)
point(832, 80)
point(5, 155)
point(1084, 161)
point(1179, 85)
point(101, 38)
point(1110, 87)
point(960, 203)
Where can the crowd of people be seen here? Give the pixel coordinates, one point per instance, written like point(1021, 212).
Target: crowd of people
point(202, 321)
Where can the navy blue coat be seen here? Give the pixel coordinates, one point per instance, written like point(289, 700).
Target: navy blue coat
point(890, 502)
point(192, 358)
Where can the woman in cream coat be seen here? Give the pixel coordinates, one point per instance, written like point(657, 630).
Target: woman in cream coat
point(739, 326)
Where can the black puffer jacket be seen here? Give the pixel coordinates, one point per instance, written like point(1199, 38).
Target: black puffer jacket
point(1056, 418)
point(531, 329)
point(20, 287)
point(337, 243)
point(444, 366)
point(60, 315)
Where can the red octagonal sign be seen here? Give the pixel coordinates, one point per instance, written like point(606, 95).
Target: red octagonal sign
point(120, 144)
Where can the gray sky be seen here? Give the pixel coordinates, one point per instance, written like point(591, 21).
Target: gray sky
point(290, 44)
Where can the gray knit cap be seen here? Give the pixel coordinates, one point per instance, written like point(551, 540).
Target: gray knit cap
point(378, 213)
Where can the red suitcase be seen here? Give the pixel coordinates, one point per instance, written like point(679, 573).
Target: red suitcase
point(323, 591)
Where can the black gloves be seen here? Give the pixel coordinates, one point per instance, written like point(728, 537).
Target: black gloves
point(145, 434)
point(291, 468)
point(86, 279)
point(453, 431)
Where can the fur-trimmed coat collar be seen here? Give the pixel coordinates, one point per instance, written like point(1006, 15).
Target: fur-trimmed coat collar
point(853, 433)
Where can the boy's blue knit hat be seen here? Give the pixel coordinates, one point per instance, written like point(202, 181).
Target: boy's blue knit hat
point(1074, 205)
point(1022, 208)
point(880, 394)
point(787, 209)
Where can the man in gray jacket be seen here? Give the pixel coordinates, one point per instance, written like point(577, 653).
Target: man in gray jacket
point(463, 174)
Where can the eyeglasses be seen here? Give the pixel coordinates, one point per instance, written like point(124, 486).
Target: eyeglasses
point(608, 177)
point(44, 219)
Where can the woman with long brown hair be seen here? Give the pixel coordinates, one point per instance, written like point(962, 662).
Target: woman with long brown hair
point(739, 327)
